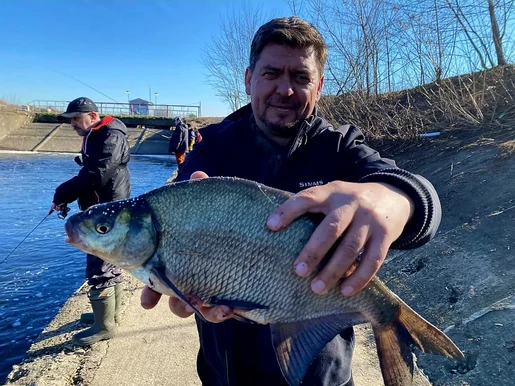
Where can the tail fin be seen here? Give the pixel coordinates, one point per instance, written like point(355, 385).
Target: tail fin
point(393, 345)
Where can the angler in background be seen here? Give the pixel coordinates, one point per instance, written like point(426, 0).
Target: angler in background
point(103, 177)
point(179, 142)
point(368, 204)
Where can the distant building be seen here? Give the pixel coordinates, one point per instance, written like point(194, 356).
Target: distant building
point(140, 106)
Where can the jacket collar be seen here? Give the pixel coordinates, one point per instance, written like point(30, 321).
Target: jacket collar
point(309, 128)
point(103, 122)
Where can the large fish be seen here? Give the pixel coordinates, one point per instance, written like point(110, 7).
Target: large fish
point(208, 238)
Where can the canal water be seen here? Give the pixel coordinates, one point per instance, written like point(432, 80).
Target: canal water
point(41, 274)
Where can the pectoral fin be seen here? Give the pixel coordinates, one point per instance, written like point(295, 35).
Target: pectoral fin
point(239, 304)
point(159, 273)
point(298, 344)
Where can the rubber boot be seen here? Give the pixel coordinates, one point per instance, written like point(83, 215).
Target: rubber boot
point(88, 318)
point(118, 294)
point(103, 304)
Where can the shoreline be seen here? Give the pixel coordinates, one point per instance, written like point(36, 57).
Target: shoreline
point(151, 347)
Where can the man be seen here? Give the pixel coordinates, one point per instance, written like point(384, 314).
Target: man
point(179, 142)
point(104, 177)
point(281, 140)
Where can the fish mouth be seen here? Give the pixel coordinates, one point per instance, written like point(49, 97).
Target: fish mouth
point(73, 236)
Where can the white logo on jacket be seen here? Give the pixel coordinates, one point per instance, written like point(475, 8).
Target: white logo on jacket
point(308, 184)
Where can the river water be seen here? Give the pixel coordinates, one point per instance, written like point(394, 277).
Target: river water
point(41, 274)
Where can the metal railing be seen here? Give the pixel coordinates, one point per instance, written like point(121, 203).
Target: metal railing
point(134, 109)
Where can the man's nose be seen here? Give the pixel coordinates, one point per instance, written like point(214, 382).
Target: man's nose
point(285, 87)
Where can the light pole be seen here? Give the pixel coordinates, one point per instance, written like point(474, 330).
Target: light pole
point(155, 98)
point(128, 101)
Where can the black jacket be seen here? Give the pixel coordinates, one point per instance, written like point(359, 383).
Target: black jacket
point(235, 353)
point(179, 140)
point(104, 175)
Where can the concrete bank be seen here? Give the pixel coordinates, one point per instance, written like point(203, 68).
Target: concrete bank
point(18, 132)
point(152, 347)
point(11, 121)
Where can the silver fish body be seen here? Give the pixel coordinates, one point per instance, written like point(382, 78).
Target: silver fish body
point(208, 237)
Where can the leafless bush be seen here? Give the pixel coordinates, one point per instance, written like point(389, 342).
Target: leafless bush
point(484, 99)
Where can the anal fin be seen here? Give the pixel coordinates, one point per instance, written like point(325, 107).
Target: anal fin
point(298, 344)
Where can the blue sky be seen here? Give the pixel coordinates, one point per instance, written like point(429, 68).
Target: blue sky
point(113, 46)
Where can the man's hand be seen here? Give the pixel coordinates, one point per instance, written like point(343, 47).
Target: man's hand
point(150, 298)
point(57, 208)
point(368, 217)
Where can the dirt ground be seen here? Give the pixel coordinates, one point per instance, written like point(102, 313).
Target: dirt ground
point(463, 280)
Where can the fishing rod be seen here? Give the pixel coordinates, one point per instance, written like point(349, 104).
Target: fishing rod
point(61, 214)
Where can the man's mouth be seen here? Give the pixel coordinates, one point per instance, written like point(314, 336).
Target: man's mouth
point(282, 107)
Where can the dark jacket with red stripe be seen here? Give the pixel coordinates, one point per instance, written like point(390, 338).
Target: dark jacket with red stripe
point(104, 175)
point(236, 353)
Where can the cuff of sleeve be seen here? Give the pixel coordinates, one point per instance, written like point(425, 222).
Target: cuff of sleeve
point(417, 227)
point(65, 193)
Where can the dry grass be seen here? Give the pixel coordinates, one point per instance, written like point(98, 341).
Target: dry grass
point(4, 106)
point(507, 149)
point(483, 100)
point(203, 121)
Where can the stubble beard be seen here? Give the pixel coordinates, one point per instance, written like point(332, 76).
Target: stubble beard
point(282, 130)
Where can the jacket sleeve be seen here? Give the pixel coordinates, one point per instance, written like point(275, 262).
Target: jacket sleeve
point(96, 173)
point(200, 159)
point(371, 167)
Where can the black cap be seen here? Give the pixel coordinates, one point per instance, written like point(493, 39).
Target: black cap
point(79, 106)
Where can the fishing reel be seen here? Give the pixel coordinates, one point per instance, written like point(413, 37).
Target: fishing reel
point(63, 212)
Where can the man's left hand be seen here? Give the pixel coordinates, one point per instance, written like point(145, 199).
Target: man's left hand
point(368, 217)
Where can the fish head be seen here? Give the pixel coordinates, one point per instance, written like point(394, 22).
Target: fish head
point(120, 232)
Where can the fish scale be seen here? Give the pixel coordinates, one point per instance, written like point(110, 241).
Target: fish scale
point(208, 238)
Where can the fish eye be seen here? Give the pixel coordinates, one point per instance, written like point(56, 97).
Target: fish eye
point(102, 228)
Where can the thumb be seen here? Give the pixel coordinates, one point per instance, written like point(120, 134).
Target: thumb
point(198, 175)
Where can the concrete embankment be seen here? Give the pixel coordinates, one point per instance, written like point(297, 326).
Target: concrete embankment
point(152, 347)
point(19, 133)
point(11, 121)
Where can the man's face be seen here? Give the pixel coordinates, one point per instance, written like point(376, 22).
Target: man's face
point(284, 88)
point(83, 123)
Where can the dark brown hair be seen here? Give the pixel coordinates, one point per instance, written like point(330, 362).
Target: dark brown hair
point(289, 31)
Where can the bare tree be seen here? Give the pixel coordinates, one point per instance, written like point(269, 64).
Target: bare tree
point(227, 56)
point(496, 34)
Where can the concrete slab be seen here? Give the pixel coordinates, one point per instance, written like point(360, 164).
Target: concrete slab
point(152, 347)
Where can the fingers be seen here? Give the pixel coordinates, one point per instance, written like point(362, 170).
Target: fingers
point(198, 175)
point(370, 262)
point(215, 314)
point(309, 200)
point(179, 308)
point(321, 241)
point(149, 298)
point(346, 252)
point(56, 207)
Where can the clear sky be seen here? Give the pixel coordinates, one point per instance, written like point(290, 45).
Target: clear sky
point(113, 46)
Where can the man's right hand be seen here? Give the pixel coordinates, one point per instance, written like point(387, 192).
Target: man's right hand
point(150, 298)
point(57, 207)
